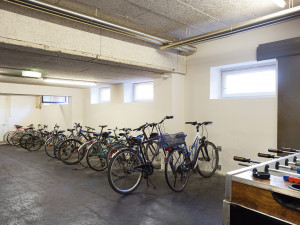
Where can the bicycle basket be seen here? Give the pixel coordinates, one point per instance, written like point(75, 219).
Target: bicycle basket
point(172, 140)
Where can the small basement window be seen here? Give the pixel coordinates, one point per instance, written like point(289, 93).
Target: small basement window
point(48, 99)
point(104, 94)
point(249, 82)
point(143, 91)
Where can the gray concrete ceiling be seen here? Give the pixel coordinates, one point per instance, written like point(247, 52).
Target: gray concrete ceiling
point(169, 19)
point(13, 61)
point(173, 19)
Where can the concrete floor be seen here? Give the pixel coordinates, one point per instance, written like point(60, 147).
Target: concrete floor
point(35, 189)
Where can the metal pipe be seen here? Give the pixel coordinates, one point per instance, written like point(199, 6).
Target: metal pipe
point(271, 19)
point(67, 14)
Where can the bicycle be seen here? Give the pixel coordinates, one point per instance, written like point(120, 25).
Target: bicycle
point(130, 164)
point(8, 135)
point(68, 149)
point(182, 162)
point(121, 142)
point(16, 137)
point(51, 143)
point(96, 156)
point(35, 141)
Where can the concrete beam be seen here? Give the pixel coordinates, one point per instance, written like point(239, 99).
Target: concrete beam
point(22, 30)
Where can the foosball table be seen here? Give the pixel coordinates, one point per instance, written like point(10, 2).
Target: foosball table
point(264, 192)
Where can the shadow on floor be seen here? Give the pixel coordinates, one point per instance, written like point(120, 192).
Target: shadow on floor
point(35, 189)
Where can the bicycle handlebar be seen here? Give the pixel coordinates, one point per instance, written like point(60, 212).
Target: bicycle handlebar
point(199, 124)
point(141, 127)
point(192, 123)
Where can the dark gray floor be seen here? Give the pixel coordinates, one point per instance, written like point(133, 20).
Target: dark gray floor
point(35, 189)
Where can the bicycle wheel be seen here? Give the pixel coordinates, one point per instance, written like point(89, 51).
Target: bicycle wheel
point(23, 140)
point(33, 143)
point(113, 149)
point(16, 138)
point(176, 174)
point(5, 136)
point(207, 159)
point(68, 151)
point(49, 147)
point(96, 156)
point(59, 139)
point(82, 153)
point(9, 137)
point(123, 173)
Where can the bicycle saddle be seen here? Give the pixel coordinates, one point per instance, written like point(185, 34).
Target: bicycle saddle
point(18, 126)
point(126, 129)
point(102, 126)
point(136, 140)
point(122, 134)
point(89, 128)
point(71, 130)
point(105, 134)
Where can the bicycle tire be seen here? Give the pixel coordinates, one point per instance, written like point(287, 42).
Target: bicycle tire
point(207, 166)
point(96, 156)
point(117, 169)
point(68, 151)
point(9, 137)
point(23, 140)
point(5, 136)
point(60, 139)
point(33, 143)
point(174, 170)
point(49, 147)
point(113, 149)
point(82, 153)
point(16, 138)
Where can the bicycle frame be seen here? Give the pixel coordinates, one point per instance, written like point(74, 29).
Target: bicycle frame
point(140, 150)
point(198, 141)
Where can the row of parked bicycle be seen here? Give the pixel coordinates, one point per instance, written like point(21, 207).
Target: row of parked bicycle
point(128, 158)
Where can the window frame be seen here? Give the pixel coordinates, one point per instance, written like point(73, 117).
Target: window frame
point(237, 71)
point(66, 101)
point(134, 92)
point(100, 99)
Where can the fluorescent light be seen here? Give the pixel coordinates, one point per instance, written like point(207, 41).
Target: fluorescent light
point(31, 74)
point(71, 82)
point(280, 3)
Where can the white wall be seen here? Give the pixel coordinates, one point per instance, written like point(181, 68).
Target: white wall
point(243, 126)
point(133, 114)
point(18, 108)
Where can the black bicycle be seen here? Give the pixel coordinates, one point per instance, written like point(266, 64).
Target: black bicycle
point(129, 165)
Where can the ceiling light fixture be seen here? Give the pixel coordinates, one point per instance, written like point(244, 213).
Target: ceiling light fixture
point(70, 82)
point(280, 3)
point(31, 74)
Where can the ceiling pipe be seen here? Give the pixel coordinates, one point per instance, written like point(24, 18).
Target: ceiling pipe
point(271, 19)
point(71, 15)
